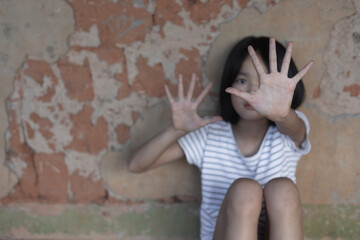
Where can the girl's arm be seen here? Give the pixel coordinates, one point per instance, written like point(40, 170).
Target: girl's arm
point(293, 126)
point(163, 148)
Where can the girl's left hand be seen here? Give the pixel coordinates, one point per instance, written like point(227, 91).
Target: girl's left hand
point(274, 96)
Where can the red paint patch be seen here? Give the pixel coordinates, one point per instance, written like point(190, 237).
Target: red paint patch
point(125, 89)
point(30, 131)
point(53, 177)
point(348, 74)
point(77, 80)
point(45, 125)
point(119, 22)
point(108, 53)
point(186, 67)
point(135, 116)
point(123, 133)
point(353, 89)
point(150, 80)
point(167, 11)
point(243, 3)
point(88, 137)
point(192, 63)
point(26, 189)
point(86, 190)
point(317, 92)
point(38, 70)
point(204, 12)
point(16, 140)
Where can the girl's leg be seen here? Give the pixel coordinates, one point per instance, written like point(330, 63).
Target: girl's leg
point(284, 210)
point(239, 213)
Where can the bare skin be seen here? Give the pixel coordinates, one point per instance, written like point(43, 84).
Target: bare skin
point(264, 96)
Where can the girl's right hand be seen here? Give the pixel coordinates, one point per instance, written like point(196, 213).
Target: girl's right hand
point(184, 111)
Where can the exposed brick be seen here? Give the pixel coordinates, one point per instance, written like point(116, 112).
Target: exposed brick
point(30, 131)
point(167, 11)
point(38, 69)
point(353, 89)
point(243, 3)
point(26, 189)
point(119, 22)
point(45, 125)
point(125, 89)
point(203, 12)
point(88, 137)
point(52, 177)
point(187, 67)
point(16, 142)
point(150, 80)
point(123, 133)
point(86, 190)
point(77, 80)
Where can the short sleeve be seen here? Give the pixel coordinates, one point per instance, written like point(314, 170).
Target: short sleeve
point(305, 146)
point(193, 145)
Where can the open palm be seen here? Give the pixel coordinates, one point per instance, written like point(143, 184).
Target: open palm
point(185, 111)
point(274, 96)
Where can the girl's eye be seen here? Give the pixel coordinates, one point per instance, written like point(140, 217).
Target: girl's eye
point(241, 81)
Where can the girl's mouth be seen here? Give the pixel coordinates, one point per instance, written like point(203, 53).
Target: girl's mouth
point(248, 106)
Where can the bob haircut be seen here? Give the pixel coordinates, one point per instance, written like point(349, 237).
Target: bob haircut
point(232, 67)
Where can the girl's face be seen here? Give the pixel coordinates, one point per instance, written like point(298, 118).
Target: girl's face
point(248, 81)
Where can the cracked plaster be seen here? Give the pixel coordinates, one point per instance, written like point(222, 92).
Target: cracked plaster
point(22, 35)
point(338, 92)
point(98, 128)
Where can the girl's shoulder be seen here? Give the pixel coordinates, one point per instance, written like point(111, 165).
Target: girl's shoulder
point(218, 125)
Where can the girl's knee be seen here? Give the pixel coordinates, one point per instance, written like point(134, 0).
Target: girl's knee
point(244, 196)
point(282, 195)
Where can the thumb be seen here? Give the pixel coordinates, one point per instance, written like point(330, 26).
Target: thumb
point(238, 93)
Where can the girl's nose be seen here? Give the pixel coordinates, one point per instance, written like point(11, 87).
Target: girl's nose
point(254, 86)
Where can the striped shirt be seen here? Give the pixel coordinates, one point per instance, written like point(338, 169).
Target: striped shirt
point(213, 149)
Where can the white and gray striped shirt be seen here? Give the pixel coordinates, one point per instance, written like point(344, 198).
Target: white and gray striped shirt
point(213, 149)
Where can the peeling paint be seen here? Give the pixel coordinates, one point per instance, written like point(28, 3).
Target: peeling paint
point(76, 115)
point(341, 58)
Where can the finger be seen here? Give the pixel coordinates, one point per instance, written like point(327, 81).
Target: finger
point(209, 120)
point(255, 60)
point(272, 55)
point(191, 88)
point(203, 94)
point(287, 58)
point(303, 71)
point(168, 94)
point(181, 88)
point(238, 93)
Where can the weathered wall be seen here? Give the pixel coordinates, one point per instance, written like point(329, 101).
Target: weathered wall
point(82, 87)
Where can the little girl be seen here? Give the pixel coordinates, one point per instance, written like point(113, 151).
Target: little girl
point(248, 155)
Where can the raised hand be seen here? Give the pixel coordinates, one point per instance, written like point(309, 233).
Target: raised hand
point(184, 111)
point(274, 96)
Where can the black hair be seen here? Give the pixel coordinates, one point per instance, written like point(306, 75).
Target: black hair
point(233, 64)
